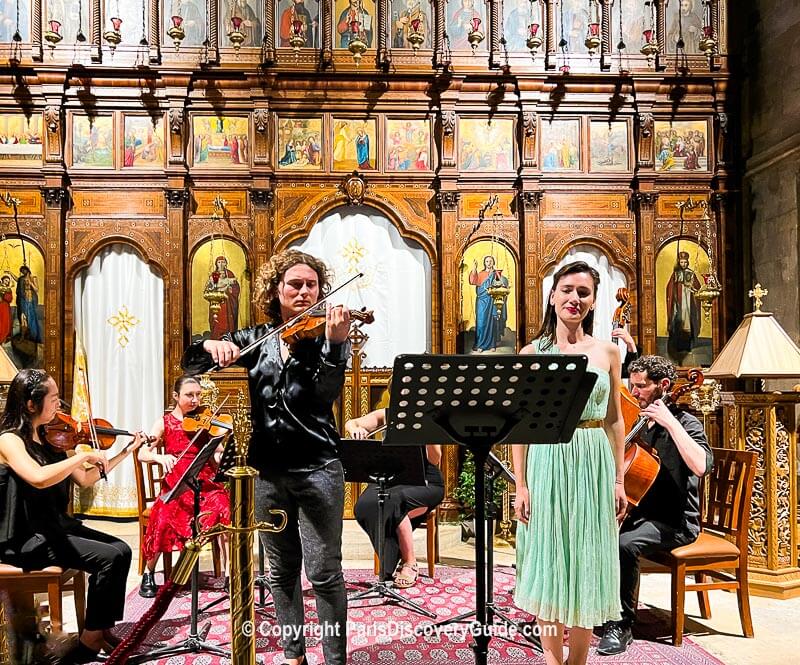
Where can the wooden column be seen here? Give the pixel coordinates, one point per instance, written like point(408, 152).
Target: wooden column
point(767, 425)
point(54, 201)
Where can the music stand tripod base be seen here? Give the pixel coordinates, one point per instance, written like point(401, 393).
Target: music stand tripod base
point(369, 461)
point(478, 402)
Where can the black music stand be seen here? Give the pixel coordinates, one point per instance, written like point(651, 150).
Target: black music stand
point(477, 402)
point(194, 641)
point(367, 461)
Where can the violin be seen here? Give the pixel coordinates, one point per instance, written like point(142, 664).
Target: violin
point(622, 317)
point(65, 433)
point(641, 461)
point(312, 325)
point(203, 419)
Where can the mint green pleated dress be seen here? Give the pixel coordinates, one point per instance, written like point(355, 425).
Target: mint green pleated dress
point(568, 554)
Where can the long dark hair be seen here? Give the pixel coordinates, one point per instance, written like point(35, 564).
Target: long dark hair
point(547, 331)
point(28, 384)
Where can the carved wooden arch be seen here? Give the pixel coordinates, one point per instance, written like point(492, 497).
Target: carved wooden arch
point(100, 244)
point(328, 204)
point(601, 244)
point(666, 240)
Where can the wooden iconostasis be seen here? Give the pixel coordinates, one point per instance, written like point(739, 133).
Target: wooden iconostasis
point(151, 180)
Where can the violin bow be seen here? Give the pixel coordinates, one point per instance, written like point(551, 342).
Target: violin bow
point(92, 431)
point(258, 342)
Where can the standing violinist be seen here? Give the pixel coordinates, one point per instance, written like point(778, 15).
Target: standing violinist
point(35, 529)
point(669, 514)
point(170, 524)
point(294, 444)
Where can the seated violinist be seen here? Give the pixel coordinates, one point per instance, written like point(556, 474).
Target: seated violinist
point(403, 511)
point(170, 524)
point(669, 514)
point(35, 529)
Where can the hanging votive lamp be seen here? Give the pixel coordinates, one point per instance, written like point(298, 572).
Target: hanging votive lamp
point(416, 35)
point(53, 34)
point(176, 32)
point(592, 41)
point(113, 37)
point(236, 35)
point(650, 47)
point(475, 35)
point(708, 45)
point(357, 46)
point(297, 40)
point(534, 41)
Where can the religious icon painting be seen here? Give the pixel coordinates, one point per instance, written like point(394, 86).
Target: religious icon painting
point(132, 13)
point(70, 16)
point(408, 145)
point(193, 20)
point(355, 145)
point(560, 145)
point(92, 141)
point(220, 289)
point(300, 144)
point(518, 16)
point(354, 19)
point(466, 17)
point(681, 146)
point(220, 141)
point(683, 329)
point(20, 139)
point(488, 299)
point(15, 16)
point(410, 24)
point(22, 298)
point(608, 146)
point(298, 20)
point(486, 145)
point(143, 142)
point(244, 16)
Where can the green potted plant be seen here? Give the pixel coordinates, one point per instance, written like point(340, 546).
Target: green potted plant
point(465, 494)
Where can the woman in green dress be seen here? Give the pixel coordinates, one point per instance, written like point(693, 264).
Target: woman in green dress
point(570, 496)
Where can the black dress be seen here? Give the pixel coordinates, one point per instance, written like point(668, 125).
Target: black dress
point(36, 532)
point(401, 501)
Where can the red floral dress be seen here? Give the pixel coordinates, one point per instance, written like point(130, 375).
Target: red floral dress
point(170, 523)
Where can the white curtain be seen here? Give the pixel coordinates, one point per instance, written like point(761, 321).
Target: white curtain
point(119, 315)
point(611, 279)
point(396, 282)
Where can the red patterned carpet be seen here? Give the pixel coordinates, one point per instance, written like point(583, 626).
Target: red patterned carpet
point(385, 633)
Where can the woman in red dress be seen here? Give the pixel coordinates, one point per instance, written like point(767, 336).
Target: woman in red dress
point(170, 523)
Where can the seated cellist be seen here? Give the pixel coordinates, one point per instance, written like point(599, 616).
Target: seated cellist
point(669, 514)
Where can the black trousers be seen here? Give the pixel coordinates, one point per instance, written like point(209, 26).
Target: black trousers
point(107, 560)
point(401, 501)
point(640, 537)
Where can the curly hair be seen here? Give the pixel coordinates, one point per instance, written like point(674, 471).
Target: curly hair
point(656, 368)
point(269, 276)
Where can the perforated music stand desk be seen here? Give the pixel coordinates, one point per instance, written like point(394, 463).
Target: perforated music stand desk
point(476, 402)
point(367, 461)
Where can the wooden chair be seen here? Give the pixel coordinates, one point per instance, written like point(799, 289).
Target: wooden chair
point(431, 525)
point(149, 480)
point(54, 581)
point(720, 551)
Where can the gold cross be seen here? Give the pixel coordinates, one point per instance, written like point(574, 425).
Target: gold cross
point(123, 322)
point(757, 293)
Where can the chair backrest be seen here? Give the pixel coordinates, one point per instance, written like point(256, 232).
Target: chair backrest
point(729, 492)
point(149, 477)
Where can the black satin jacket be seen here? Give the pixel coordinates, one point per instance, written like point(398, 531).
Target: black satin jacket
point(291, 404)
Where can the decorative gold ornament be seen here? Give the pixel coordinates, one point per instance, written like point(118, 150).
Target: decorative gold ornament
point(534, 40)
point(475, 36)
point(650, 46)
point(176, 32)
point(757, 293)
point(53, 35)
point(416, 34)
point(592, 41)
point(236, 35)
point(113, 37)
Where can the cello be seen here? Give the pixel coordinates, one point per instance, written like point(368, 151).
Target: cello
point(641, 461)
point(621, 317)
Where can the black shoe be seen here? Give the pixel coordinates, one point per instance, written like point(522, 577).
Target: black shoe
point(79, 654)
point(616, 638)
point(148, 588)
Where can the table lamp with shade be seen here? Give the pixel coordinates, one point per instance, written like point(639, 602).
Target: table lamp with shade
point(767, 424)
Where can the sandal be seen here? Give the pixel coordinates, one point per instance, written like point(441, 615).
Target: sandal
point(402, 581)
